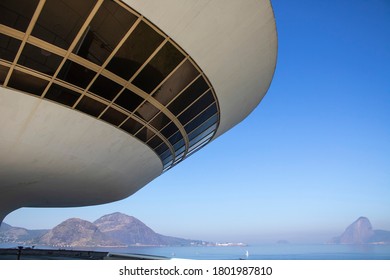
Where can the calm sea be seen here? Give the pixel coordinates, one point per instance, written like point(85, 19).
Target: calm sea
point(273, 252)
point(261, 252)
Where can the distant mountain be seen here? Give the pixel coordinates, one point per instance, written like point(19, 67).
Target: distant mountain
point(10, 234)
point(4, 227)
point(381, 236)
point(77, 233)
point(112, 230)
point(361, 232)
point(131, 231)
point(358, 232)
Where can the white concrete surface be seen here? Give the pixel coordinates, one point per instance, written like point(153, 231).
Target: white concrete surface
point(54, 156)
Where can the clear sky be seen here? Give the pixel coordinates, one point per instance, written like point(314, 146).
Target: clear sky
point(312, 158)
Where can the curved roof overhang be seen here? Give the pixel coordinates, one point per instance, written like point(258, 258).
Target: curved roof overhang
point(51, 156)
point(233, 46)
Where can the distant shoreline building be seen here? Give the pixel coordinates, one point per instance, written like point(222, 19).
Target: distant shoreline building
point(99, 97)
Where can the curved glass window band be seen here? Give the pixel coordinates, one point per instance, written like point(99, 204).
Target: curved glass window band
point(171, 115)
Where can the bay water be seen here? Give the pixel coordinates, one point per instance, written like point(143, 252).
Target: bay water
point(255, 252)
point(271, 252)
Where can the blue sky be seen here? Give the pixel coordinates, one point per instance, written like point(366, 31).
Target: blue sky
point(312, 157)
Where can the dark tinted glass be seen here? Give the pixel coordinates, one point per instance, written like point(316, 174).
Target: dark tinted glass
point(175, 138)
point(3, 73)
point(105, 31)
point(155, 142)
point(179, 154)
point(169, 130)
point(179, 144)
point(195, 137)
point(39, 59)
point(203, 126)
point(27, 83)
point(147, 111)
point(200, 105)
point(134, 52)
point(158, 68)
point(17, 13)
point(145, 134)
point(105, 88)
point(166, 154)
point(185, 74)
point(199, 144)
point(160, 121)
point(203, 102)
point(113, 116)
point(8, 47)
point(129, 100)
point(161, 149)
point(188, 96)
point(60, 21)
point(212, 110)
point(200, 141)
point(90, 106)
point(131, 126)
point(181, 150)
point(76, 74)
point(62, 95)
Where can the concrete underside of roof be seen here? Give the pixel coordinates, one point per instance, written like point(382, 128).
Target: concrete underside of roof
point(54, 156)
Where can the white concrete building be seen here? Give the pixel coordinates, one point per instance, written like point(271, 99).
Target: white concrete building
point(99, 97)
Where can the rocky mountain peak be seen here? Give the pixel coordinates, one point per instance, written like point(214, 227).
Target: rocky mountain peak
point(359, 232)
point(116, 217)
point(118, 221)
point(76, 232)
